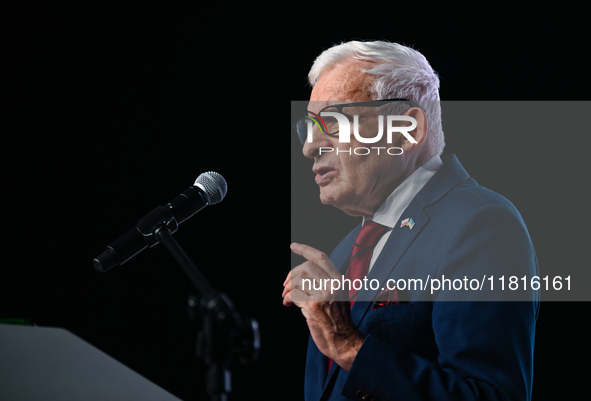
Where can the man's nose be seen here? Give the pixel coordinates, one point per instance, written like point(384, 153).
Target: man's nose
point(319, 140)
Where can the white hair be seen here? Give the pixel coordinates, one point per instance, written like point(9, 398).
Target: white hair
point(400, 72)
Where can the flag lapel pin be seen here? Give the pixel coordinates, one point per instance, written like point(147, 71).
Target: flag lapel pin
point(408, 222)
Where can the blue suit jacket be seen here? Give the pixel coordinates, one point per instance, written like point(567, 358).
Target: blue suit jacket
point(440, 348)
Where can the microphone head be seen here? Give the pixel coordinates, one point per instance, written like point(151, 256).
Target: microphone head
point(214, 186)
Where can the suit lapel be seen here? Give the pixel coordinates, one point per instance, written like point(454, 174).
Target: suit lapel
point(398, 242)
point(447, 177)
point(450, 174)
point(396, 245)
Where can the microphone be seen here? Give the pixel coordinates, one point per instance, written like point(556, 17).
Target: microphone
point(209, 189)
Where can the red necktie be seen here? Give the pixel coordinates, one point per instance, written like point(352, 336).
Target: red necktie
point(366, 240)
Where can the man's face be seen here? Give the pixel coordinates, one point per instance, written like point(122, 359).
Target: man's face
point(356, 184)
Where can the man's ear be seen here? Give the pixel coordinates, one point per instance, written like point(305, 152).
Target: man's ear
point(420, 132)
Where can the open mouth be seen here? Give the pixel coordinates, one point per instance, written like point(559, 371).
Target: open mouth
point(323, 174)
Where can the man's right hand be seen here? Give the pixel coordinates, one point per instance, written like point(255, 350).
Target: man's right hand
point(329, 320)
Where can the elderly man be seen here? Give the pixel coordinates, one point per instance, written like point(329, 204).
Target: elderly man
point(422, 216)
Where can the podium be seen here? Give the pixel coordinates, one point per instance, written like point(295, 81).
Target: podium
point(43, 363)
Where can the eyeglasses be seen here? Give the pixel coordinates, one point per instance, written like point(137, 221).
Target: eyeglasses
point(329, 125)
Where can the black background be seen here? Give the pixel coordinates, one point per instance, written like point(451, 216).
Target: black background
point(113, 110)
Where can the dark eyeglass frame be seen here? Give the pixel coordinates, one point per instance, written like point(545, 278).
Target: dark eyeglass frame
point(339, 107)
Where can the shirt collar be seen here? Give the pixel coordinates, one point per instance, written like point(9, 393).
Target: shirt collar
point(395, 204)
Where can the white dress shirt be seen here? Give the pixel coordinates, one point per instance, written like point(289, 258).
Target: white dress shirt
point(392, 209)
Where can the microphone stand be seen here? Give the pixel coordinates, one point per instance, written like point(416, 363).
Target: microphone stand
point(224, 335)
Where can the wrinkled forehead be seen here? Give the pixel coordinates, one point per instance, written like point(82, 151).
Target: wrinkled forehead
point(317, 105)
point(343, 83)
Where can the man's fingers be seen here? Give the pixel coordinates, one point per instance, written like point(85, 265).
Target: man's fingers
point(287, 299)
point(306, 251)
point(294, 286)
point(287, 288)
point(314, 255)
